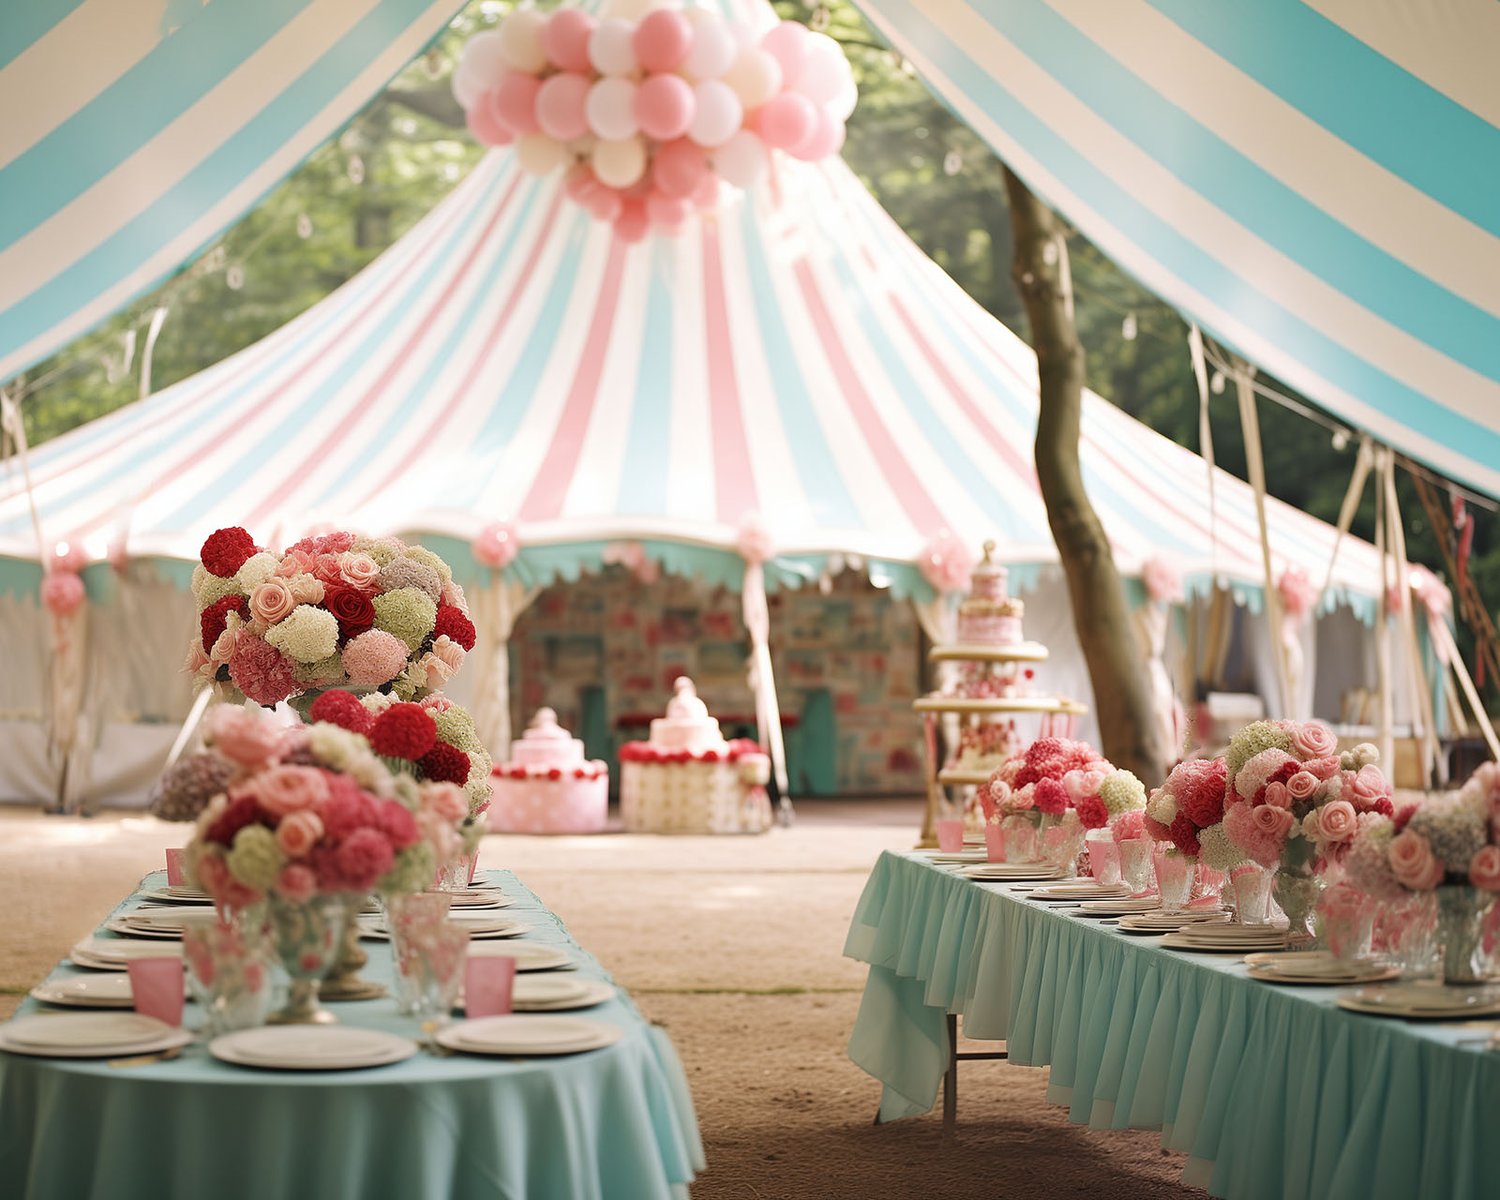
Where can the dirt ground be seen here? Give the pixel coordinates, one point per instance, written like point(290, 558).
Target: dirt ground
point(735, 945)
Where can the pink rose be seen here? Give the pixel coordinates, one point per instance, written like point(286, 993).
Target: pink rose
point(1484, 869)
point(293, 564)
point(298, 832)
point(243, 737)
point(1413, 863)
point(1278, 795)
point(272, 601)
point(284, 790)
point(1301, 786)
point(449, 651)
point(1313, 739)
point(358, 569)
point(433, 671)
point(297, 883)
point(307, 589)
point(1368, 786)
point(1338, 821)
point(447, 801)
point(1023, 799)
point(1322, 768)
point(1272, 821)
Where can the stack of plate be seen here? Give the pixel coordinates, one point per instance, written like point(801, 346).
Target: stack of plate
point(1118, 906)
point(951, 857)
point(1428, 1000)
point(1216, 938)
point(988, 872)
point(110, 990)
point(111, 954)
point(179, 893)
point(521, 1035)
point(529, 956)
point(90, 1035)
point(1158, 921)
point(477, 897)
point(1079, 889)
point(556, 993)
point(311, 1048)
point(155, 922)
point(1317, 967)
point(479, 924)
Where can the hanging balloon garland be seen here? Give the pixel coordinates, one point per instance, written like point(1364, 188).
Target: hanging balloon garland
point(648, 117)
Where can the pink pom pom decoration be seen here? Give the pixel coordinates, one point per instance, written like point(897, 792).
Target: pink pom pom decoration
point(496, 546)
point(946, 563)
point(62, 592)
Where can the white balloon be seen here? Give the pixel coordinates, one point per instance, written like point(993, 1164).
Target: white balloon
point(479, 67)
point(755, 77)
point(714, 49)
point(611, 109)
point(843, 103)
point(539, 154)
point(717, 114)
point(620, 163)
point(611, 47)
point(521, 41)
point(824, 70)
point(630, 10)
point(742, 160)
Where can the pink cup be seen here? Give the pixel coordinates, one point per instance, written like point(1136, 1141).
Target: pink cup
point(994, 842)
point(950, 835)
point(489, 980)
point(176, 868)
point(157, 987)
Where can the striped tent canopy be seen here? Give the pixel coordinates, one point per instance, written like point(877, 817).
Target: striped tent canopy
point(135, 131)
point(793, 356)
point(1316, 182)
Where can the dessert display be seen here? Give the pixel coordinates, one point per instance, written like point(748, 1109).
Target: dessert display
point(989, 616)
point(688, 779)
point(549, 786)
point(984, 745)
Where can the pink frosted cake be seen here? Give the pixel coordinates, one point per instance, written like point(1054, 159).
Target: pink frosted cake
point(548, 786)
point(688, 779)
point(989, 616)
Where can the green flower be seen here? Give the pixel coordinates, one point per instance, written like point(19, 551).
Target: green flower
point(255, 859)
point(456, 727)
point(329, 669)
point(428, 559)
point(1216, 851)
point(405, 572)
point(1122, 792)
point(382, 554)
point(307, 634)
point(407, 613)
point(1251, 740)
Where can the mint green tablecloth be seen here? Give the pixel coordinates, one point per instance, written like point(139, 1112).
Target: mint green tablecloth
point(612, 1123)
point(1272, 1091)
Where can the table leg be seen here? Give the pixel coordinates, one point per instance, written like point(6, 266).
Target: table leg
point(950, 1079)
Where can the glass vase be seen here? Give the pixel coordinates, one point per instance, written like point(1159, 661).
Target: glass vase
point(306, 939)
point(1104, 857)
point(1062, 841)
point(1020, 839)
point(429, 952)
point(344, 981)
point(229, 973)
point(1296, 888)
point(1461, 910)
point(1406, 931)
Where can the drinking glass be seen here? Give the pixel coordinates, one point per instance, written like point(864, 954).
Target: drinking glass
point(429, 951)
point(1250, 884)
point(1174, 877)
point(1135, 865)
point(227, 970)
point(1104, 857)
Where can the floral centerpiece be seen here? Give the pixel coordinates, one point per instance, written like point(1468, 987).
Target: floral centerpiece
point(333, 611)
point(1448, 845)
point(1188, 811)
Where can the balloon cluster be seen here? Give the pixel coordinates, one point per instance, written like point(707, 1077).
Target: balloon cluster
point(647, 117)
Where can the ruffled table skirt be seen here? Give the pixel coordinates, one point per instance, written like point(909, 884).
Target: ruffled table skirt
point(1272, 1091)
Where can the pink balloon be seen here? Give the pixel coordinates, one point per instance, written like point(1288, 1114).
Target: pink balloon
point(706, 194)
point(515, 101)
point(664, 104)
point(668, 210)
point(679, 168)
point(565, 38)
point(561, 106)
point(496, 546)
point(638, 190)
point(826, 138)
point(788, 44)
point(485, 125)
point(632, 224)
point(605, 204)
point(62, 592)
point(662, 40)
point(786, 120)
point(579, 183)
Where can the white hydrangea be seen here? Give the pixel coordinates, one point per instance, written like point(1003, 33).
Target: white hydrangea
point(255, 570)
point(1161, 806)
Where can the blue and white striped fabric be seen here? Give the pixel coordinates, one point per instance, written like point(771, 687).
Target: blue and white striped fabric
point(793, 355)
point(1316, 182)
point(135, 131)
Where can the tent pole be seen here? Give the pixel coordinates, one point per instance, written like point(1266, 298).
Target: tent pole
point(1423, 707)
point(195, 714)
point(1455, 660)
point(1346, 513)
point(1256, 462)
point(1384, 732)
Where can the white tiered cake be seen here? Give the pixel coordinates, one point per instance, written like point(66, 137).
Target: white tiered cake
point(548, 786)
point(989, 616)
point(688, 779)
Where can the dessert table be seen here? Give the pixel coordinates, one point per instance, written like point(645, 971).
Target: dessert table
point(1271, 1090)
point(616, 1122)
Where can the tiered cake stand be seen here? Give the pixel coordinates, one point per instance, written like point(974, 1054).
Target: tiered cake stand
point(1057, 717)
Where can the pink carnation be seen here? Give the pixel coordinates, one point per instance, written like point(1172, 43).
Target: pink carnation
point(286, 789)
point(1313, 739)
point(297, 883)
point(447, 801)
point(1198, 786)
point(1130, 824)
point(398, 823)
point(228, 892)
point(1257, 772)
point(1243, 830)
point(245, 738)
point(374, 657)
point(1322, 768)
point(346, 810)
point(1051, 797)
point(362, 858)
point(1092, 812)
point(260, 670)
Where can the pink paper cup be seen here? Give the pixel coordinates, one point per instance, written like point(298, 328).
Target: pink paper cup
point(950, 835)
point(489, 981)
point(157, 987)
point(176, 868)
point(994, 843)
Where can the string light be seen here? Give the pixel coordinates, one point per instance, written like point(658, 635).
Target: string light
point(953, 162)
point(356, 169)
point(304, 226)
point(1128, 327)
point(234, 278)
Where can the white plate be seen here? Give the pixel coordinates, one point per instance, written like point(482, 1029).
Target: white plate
point(111, 954)
point(488, 898)
point(87, 991)
point(556, 993)
point(139, 929)
point(1313, 962)
point(1229, 932)
point(84, 1031)
point(311, 1048)
point(170, 1040)
point(1154, 922)
point(1118, 907)
point(1432, 1001)
point(526, 1035)
point(1179, 940)
point(529, 956)
point(178, 895)
point(953, 856)
point(1377, 974)
point(1078, 891)
point(482, 926)
point(1009, 872)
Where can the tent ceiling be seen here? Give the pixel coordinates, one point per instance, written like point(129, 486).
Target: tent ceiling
point(1316, 183)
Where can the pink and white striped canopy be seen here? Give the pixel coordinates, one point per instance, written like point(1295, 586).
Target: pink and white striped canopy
point(794, 355)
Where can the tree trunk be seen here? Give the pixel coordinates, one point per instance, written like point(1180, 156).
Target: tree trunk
point(1122, 695)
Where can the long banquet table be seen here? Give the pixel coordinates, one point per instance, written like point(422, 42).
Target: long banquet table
point(616, 1122)
point(1272, 1091)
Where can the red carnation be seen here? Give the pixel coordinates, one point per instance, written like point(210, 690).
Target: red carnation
point(403, 731)
point(362, 858)
point(343, 709)
point(395, 820)
point(1155, 829)
point(1402, 815)
point(226, 550)
point(1199, 786)
point(444, 764)
point(1093, 812)
point(452, 622)
point(211, 620)
point(1051, 797)
point(240, 813)
point(1384, 807)
point(1185, 835)
point(352, 607)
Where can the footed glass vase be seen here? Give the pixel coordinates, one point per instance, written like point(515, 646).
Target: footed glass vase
point(306, 939)
point(1296, 888)
point(1461, 910)
point(344, 982)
